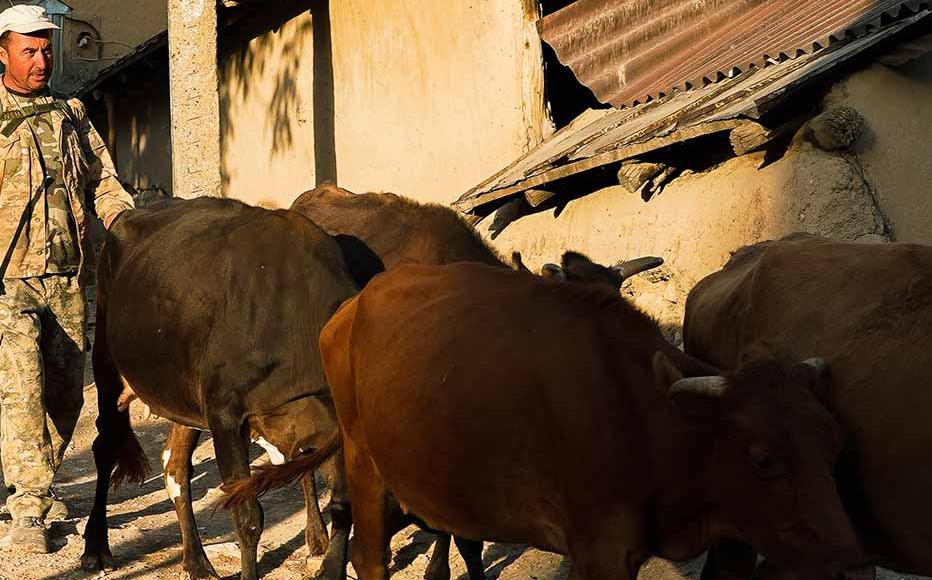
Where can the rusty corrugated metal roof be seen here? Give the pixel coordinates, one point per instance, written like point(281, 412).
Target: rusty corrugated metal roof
point(604, 136)
point(634, 51)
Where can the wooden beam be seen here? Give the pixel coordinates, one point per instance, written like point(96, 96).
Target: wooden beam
point(535, 197)
point(632, 175)
point(748, 137)
point(752, 136)
point(613, 156)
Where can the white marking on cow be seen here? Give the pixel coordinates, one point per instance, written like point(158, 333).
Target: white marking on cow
point(166, 457)
point(275, 456)
point(174, 490)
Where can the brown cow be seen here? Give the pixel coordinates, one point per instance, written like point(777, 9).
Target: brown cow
point(867, 309)
point(557, 415)
point(376, 231)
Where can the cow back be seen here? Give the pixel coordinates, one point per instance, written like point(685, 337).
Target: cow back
point(378, 230)
point(215, 291)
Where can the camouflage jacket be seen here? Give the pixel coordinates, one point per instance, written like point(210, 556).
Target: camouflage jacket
point(88, 174)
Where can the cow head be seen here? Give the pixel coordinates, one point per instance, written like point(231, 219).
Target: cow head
point(770, 447)
point(576, 267)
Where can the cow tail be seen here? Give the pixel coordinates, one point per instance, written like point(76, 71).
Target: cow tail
point(132, 463)
point(116, 442)
point(269, 477)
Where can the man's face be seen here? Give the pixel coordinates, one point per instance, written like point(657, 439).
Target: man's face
point(28, 61)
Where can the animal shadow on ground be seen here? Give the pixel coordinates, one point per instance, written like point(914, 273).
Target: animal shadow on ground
point(495, 557)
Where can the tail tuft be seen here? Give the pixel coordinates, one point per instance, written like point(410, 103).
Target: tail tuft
point(269, 477)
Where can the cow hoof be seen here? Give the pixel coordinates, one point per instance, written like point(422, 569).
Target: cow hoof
point(98, 561)
point(438, 574)
point(199, 570)
point(326, 571)
point(200, 575)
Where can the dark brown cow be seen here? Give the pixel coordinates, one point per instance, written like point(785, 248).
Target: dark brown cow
point(557, 415)
point(378, 230)
point(209, 311)
point(867, 309)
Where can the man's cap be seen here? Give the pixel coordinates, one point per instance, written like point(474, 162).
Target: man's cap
point(25, 19)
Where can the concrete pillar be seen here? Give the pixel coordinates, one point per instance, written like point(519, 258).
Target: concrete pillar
point(195, 104)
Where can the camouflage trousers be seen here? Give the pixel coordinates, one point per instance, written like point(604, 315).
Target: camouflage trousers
point(42, 325)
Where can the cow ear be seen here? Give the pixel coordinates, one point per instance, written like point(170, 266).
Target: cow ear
point(518, 263)
point(580, 267)
point(821, 378)
point(695, 397)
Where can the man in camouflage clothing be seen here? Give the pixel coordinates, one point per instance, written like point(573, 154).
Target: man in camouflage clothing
point(51, 161)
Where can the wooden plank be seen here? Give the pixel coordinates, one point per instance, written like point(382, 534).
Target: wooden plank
point(560, 142)
point(535, 197)
point(467, 205)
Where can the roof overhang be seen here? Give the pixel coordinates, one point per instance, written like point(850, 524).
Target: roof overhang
point(733, 105)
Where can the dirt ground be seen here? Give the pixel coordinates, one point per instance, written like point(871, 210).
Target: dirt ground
point(145, 539)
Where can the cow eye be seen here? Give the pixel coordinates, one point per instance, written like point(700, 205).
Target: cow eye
point(765, 465)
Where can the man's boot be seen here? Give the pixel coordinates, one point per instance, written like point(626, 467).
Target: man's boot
point(30, 535)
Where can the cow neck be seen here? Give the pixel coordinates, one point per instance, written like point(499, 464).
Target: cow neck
point(682, 519)
point(681, 516)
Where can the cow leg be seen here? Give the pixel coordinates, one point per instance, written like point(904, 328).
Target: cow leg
point(231, 443)
point(176, 462)
point(471, 551)
point(729, 560)
point(341, 522)
point(315, 533)
point(609, 545)
point(439, 566)
point(370, 499)
point(97, 555)
point(115, 446)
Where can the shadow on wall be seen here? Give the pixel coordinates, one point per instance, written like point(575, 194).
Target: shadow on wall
point(247, 52)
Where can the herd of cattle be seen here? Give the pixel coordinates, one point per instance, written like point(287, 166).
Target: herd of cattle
point(473, 398)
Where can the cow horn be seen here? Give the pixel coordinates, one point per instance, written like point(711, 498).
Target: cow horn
point(823, 377)
point(553, 271)
point(629, 268)
point(818, 364)
point(710, 386)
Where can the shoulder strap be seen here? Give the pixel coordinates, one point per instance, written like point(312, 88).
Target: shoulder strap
point(10, 120)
